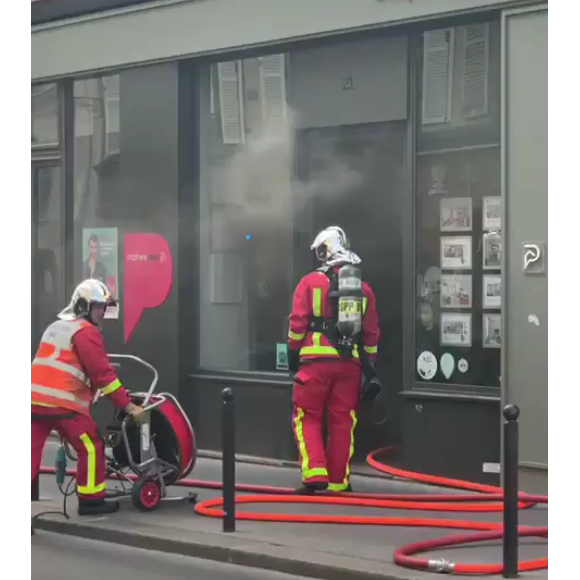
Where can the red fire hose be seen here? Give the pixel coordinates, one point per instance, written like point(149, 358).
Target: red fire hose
point(487, 499)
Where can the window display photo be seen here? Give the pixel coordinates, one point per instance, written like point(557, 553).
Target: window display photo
point(492, 251)
point(456, 291)
point(455, 329)
point(456, 214)
point(456, 253)
point(491, 291)
point(491, 213)
point(492, 331)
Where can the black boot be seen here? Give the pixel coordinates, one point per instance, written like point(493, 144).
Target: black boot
point(311, 488)
point(92, 507)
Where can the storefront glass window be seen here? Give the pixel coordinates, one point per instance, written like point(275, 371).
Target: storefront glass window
point(44, 115)
point(458, 220)
point(47, 248)
point(98, 186)
point(290, 145)
point(246, 230)
point(125, 203)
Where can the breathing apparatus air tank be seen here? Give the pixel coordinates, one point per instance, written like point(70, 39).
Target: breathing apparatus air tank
point(350, 301)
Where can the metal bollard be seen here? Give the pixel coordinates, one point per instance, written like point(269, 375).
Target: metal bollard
point(510, 491)
point(228, 460)
point(36, 489)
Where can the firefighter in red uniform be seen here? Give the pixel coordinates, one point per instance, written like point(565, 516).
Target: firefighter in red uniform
point(332, 340)
point(70, 366)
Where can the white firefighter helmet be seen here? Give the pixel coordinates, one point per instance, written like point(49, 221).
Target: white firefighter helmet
point(86, 294)
point(332, 247)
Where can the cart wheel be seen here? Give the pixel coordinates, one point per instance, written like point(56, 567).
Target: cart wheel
point(146, 494)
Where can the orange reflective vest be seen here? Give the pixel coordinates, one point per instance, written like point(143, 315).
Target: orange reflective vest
point(58, 378)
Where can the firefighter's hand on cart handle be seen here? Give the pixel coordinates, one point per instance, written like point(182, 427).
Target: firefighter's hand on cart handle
point(136, 412)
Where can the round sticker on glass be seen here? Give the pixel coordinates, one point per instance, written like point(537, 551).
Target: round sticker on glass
point(462, 366)
point(427, 365)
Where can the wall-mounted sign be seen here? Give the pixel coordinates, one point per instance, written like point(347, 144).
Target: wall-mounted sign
point(148, 276)
point(534, 258)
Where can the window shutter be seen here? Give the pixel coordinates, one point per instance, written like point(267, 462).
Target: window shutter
point(273, 87)
point(437, 75)
point(475, 70)
point(231, 103)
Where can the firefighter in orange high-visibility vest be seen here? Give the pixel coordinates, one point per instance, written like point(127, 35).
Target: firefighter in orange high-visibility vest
point(70, 366)
point(332, 341)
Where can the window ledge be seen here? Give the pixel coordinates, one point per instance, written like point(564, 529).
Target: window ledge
point(276, 380)
point(417, 394)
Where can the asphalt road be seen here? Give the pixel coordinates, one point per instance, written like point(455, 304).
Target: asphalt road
point(58, 557)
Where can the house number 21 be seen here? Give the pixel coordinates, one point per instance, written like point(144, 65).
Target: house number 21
point(347, 84)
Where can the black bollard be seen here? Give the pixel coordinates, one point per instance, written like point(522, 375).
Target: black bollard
point(36, 489)
point(228, 460)
point(510, 491)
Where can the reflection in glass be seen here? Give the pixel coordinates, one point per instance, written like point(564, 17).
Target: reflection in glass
point(44, 101)
point(47, 298)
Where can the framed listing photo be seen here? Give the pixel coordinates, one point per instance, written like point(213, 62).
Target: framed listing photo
point(456, 214)
point(456, 253)
point(492, 251)
point(491, 213)
point(455, 329)
point(456, 291)
point(492, 291)
point(492, 331)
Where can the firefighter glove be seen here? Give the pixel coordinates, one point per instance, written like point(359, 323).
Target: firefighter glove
point(370, 390)
point(293, 360)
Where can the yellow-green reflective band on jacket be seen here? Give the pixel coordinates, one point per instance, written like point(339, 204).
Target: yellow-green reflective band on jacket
point(294, 336)
point(91, 486)
point(111, 387)
point(364, 305)
point(371, 349)
point(307, 473)
point(317, 301)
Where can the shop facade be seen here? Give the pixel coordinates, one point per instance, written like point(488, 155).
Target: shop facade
point(188, 156)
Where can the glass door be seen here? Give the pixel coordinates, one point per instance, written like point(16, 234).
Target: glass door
point(47, 248)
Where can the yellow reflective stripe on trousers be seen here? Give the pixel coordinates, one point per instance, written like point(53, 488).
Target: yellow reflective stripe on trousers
point(307, 473)
point(91, 486)
point(352, 448)
point(294, 336)
point(111, 387)
point(337, 486)
point(371, 349)
point(364, 304)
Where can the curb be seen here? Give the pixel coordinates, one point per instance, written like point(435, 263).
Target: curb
point(214, 553)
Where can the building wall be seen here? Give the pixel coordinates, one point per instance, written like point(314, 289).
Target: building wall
point(133, 33)
point(237, 161)
point(526, 199)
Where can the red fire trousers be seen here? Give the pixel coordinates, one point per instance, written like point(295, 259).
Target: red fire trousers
point(334, 386)
point(81, 432)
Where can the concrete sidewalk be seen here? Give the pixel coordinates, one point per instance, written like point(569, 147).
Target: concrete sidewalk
point(328, 551)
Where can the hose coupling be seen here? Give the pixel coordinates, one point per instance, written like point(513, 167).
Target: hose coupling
point(441, 566)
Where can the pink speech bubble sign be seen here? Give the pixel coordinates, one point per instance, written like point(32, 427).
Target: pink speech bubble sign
point(148, 276)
